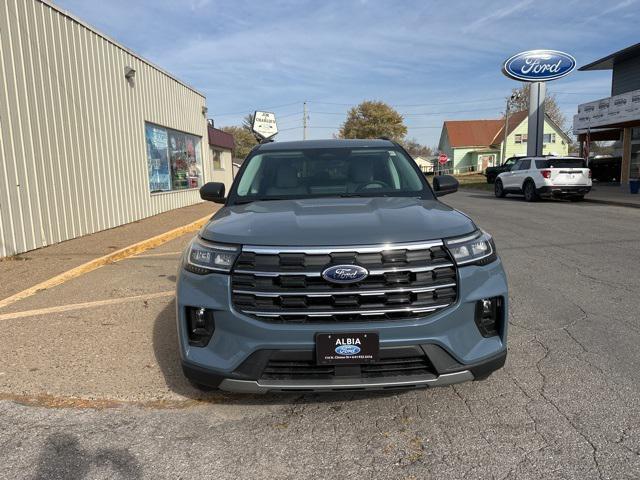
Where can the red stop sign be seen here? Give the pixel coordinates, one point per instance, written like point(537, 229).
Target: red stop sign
point(442, 159)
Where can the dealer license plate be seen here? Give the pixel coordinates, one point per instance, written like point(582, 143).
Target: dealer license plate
point(347, 348)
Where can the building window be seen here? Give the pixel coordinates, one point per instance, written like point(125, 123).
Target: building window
point(173, 159)
point(549, 138)
point(216, 155)
point(635, 133)
point(521, 138)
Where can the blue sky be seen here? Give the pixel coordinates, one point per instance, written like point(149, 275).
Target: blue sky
point(433, 60)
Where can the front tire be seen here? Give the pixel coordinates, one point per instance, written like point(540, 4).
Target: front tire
point(498, 189)
point(530, 194)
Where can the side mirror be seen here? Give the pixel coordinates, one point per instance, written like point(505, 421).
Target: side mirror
point(444, 185)
point(212, 192)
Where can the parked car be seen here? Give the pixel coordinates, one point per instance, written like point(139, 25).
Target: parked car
point(606, 169)
point(535, 177)
point(333, 266)
point(492, 172)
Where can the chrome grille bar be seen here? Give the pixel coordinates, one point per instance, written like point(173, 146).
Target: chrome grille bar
point(316, 313)
point(342, 249)
point(377, 271)
point(307, 293)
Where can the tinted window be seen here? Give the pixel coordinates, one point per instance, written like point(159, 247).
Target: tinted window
point(310, 173)
point(525, 165)
point(561, 163)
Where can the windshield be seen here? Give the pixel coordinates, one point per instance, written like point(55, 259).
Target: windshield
point(560, 163)
point(365, 172)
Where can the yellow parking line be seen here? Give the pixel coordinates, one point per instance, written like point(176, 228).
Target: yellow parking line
point(164, 254)
point(110, 258)
point(80, 306)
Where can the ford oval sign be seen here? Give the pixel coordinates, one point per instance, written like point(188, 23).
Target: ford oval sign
point(347, 350)
point(539, 65)
point(345, 274)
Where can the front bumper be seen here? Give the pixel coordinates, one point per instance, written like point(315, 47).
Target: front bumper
point(463, 353)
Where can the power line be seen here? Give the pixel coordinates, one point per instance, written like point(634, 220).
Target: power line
point(417, 104)
point(250, 110)
point(418, 114)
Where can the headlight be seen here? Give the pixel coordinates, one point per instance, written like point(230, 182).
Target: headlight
point(477, 248)
point(204, 257)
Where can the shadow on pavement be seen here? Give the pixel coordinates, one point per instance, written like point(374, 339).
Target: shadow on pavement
point(165, 346)
point(62, 456)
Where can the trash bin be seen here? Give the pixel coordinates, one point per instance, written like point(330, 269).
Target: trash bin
point(634, 185)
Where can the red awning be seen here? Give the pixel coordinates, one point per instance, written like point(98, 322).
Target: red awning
point(220, 139)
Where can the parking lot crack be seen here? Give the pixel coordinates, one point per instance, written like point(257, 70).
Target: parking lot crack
point(554, 405)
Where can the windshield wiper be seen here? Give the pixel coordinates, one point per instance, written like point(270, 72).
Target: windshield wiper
point(367, 195)
point(243, 202)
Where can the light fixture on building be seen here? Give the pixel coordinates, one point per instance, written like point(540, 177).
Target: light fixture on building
point(129, 74)
point(204, 111)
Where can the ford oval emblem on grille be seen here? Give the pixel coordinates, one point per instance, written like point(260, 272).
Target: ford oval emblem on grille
point(347, 350)
point(345, 273)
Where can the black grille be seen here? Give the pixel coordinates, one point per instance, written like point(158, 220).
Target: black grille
point(403, 282)
point(393, 362)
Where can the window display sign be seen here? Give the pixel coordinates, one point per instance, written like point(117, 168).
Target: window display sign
point(174, 159)
point(157, 158)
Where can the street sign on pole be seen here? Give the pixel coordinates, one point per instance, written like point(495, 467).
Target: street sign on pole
point(442, 159)
point(264, 125)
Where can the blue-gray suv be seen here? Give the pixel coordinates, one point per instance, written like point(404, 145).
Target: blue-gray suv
point(333, 266)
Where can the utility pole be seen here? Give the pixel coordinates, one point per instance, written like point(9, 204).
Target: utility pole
point(513, 98)
point(304, 120)
point(506, 132)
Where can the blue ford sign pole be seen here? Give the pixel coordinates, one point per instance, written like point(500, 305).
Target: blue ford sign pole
point(538, 67)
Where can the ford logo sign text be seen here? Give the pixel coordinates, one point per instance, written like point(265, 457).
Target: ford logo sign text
point(347, 350)
point(539, 65)
point(345, 273)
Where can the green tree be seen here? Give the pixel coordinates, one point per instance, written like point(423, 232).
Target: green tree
point(551, 107)
point(416, 149)
point(373, 119)
point(243, 139)
point(247, 122)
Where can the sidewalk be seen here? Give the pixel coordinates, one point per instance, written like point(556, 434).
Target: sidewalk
point(613, 194)
point(30, 268)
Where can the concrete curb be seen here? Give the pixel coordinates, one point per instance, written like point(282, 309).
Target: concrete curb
point(612, 202)
point(106, 259)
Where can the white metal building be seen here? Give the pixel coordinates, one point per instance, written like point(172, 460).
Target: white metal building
point(91, 135)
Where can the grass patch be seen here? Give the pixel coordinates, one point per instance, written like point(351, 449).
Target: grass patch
point(476, 180)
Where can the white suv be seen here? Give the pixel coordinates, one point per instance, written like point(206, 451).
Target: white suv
point(535, 177)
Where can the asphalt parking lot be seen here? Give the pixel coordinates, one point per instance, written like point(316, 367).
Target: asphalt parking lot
point(90, 385)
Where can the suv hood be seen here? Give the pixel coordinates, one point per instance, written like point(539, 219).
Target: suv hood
point(336, 221)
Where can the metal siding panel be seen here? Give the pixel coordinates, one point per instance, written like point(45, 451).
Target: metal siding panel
point(44, 109)
point(77, 188)
point(54, 122)
point(16, 120)
point(626, 76)
point(8, 194)
point(64, 131)
point(90, 132)
point(108, 137)
point(84, 136)
point(39, 191)
point(106, 193)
